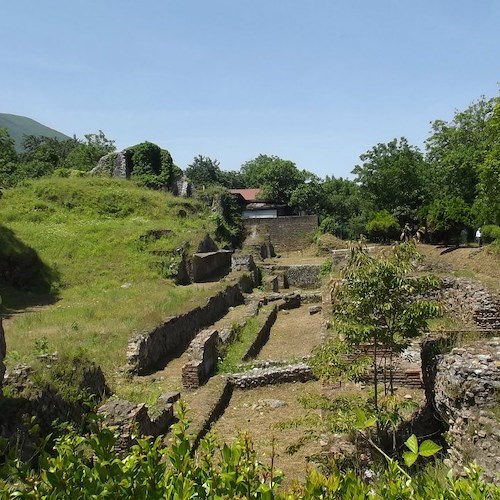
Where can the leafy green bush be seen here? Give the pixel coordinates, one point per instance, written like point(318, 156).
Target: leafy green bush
point(86, 466)
point(490, 233)
point(383, 227)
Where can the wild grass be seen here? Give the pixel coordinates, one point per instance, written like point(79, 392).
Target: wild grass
point(89, 230)
point(245, 335)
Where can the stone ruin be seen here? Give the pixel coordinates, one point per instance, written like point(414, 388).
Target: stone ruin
point(114, 165)
point(119, 165)
point(131, 419)
point(462, 388)
point(3, 352)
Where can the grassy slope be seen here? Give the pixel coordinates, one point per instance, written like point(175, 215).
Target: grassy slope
point(89, 230)
point(18, 126)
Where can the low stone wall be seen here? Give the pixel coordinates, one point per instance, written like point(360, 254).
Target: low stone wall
point(150, 349)
point(262, 335)
point(203, 359)
point(471, 302)
point(274, 375)
point(306, 276)
point(3, 352)
point(217, 409)
point(209, 265)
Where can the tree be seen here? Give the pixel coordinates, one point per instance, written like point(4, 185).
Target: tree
point(383, 226)
point(7, 147)
point(204, 171)
point(458, 148)
point(345, 206)
point(86, 154)
point(392, 177)
point(448, 216)
point(487, 205)
point(277, 178)
point(309, 197)
point(378, 303)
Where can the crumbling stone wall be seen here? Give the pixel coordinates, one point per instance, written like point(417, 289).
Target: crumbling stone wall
point(207, 265)
point(300, 372)
point(306, 276)
point(286, 233)
point(202, 359)
point(149, 349)
point(3, 352)
point(466, 396)
point(471, 302)
point(263, 334)
point(114, 165)
point(131, 419)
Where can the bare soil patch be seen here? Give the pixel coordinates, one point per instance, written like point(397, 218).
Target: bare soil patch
point(471, 262)
point(257, 412)
point(293, 335)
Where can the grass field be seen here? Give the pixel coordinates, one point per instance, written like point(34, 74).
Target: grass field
point(107, 280)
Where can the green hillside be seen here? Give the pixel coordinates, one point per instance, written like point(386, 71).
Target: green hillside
point(109, 269)
point(19, 126)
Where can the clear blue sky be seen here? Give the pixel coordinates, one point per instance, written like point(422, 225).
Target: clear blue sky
point(317, 82)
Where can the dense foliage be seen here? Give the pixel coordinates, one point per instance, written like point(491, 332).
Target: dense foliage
point(375, 303)
point(86, 466)
point(451, 187)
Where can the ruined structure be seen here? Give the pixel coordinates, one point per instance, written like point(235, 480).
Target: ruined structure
point(3, 352)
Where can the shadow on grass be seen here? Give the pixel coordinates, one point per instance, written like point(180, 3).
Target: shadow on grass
point(25, 280)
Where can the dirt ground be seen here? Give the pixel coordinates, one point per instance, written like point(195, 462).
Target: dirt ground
point(471, 262)
point(294, 334)
point(257, 411)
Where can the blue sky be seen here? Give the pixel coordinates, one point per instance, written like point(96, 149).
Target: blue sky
point(318, 82)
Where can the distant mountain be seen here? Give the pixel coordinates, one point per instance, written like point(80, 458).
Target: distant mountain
point(19, 126)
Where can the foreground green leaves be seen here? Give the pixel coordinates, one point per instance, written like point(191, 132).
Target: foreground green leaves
point(87, 467)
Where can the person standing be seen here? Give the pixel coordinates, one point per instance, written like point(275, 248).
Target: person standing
point(479, 237)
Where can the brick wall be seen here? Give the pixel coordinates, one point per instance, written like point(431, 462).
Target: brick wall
point(287, 233)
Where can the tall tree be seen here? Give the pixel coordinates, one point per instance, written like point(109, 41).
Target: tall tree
point(204, 171)
point(487, 205)
point(277, 178)
point(392, 177)
point(86, 154)
point(458, 148)
point(379, 301)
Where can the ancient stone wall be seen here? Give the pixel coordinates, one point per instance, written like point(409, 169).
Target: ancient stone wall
point(287, 233)
point(208, 265)
point(300, 372)
point(202, 359)
point(148, 350)
point(466, 388)
point(131, 419)
point(303, 276)
point(461, 388)
point(3, 352)
point(471, 302)
point(262, 335)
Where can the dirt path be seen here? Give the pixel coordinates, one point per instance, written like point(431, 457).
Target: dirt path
point(259, 412)
point(293, 335)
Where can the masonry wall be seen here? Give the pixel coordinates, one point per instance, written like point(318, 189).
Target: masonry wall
point(147, 350)
point(210, 264)
point(287, 233)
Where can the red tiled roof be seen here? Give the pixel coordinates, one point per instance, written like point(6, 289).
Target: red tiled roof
point(249, 195)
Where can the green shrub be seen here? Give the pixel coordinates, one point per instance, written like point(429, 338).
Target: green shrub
point(490, 233)
point(383, 227)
